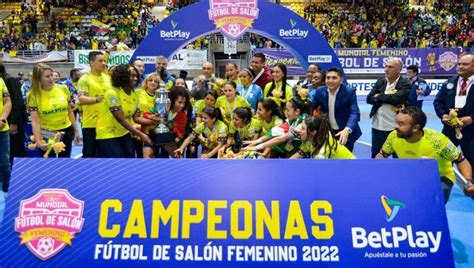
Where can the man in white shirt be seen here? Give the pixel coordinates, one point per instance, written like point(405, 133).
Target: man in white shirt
point(388, 95)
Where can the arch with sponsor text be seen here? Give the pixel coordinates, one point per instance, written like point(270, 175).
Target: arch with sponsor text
point(234, 18)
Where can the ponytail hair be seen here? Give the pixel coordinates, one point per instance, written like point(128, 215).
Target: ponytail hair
point(214, 113)
point(270, 105)
point(321, 127)
point(244, 114)
point(300, 104)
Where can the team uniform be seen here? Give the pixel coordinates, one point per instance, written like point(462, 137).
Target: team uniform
point(229, 108)
point(212, 136)
point(247, 132)
point(52, 107)
point(253, 94)
point(5, 169)
point(433, 145)
point(266, 126)
point(91, 86)
point(278, 87)
point(115, 140)
point(289, 127)
point(307, 150)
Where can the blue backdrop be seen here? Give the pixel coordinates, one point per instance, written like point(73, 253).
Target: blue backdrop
point(276, 22)
point(349, 193)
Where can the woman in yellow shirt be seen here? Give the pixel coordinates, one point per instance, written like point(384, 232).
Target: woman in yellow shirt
point(319, 141)
point(278, 89)
point(242, 128)
point(230, 101)
point(115, 121)
point(50, 110)
point(146, 104)
point(212, 133)
point(209, 101)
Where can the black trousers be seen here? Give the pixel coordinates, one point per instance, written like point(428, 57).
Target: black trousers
point(90, 149)
point(466, 143)
point(378, 139)
point(17, 144)
point(121, 147)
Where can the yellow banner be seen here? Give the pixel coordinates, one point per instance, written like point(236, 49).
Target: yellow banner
point(223, 21)
point(61, 235)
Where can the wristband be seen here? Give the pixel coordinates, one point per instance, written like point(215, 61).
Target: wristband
point(96, 100)
point(259, 140)
point(259, 147)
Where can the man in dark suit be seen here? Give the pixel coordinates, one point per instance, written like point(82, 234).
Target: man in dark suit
point(388, 95)
point(340, 102)
point(18, 117)
point(458, 93)
point(419, 87)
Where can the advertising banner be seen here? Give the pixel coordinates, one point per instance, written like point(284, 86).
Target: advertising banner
point(185, 59)
point(431, 61)
point(81, 58)
point(225, 213)
point(51, 56)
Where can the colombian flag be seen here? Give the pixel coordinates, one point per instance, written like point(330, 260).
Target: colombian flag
point(98, 26)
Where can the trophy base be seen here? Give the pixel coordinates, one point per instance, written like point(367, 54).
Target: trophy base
point(163, 138)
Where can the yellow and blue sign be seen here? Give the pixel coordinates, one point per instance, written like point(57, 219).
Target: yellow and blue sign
point(221, 213)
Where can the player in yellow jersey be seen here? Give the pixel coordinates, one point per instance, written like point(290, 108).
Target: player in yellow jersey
point(269, 114)
point(116, 119)
point(50, 110)
point(209, 101)
point(146, 103)
point(5, 109)
point(411, 139)
point(242, 128)
point(319, 141)
point(212, 133)
point(230, 101)
point(278, 89)
point(92, 87)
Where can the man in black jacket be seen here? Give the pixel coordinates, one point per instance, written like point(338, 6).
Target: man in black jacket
point(457, 93)
point(389, 94)
point(18, 116)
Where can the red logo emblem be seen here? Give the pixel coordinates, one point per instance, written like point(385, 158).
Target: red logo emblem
point(48, 221)
point(233, 17)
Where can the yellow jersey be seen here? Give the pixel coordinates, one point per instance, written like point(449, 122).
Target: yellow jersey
point(433, 145)
point(3, 94)
point(229, 108)
point(307, 149)
point(52, 107)
point(116, 100)
point(92, 86)
point(278, 91)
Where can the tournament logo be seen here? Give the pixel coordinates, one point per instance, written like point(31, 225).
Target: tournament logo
point(48, 221)
point(233, 17)
point(391, 207)
point(448, 60)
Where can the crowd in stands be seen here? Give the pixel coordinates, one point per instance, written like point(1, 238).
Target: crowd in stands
point(393, 26)
point(344, 25)
point(72, 28)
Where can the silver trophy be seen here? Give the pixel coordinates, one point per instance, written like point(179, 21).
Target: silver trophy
point(162, 104)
